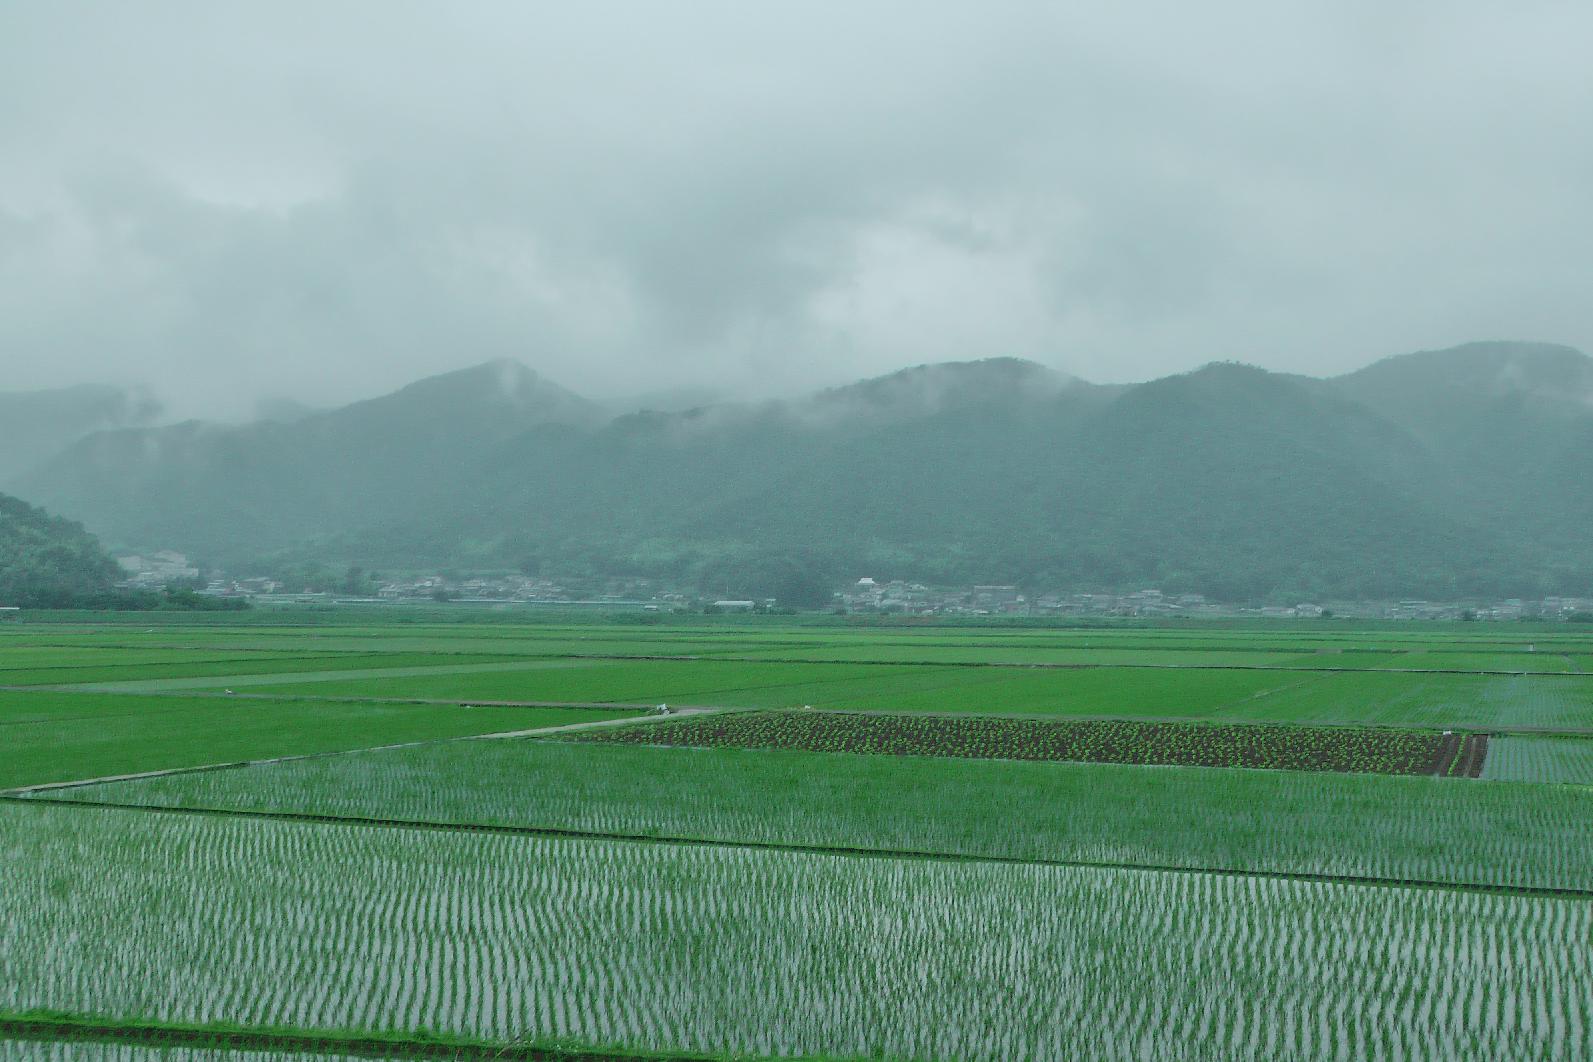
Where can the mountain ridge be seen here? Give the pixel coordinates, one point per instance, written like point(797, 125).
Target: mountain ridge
point(39, 424)
point(1228, 479)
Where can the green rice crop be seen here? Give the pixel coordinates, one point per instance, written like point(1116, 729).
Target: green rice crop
point(178, 918)
point(1540, 759)
point(149, 668)
point(1369, 697)
point(56, 737)
point(1438, 829)
point(1476, 702)
point(742, 666)
point(1129, 691)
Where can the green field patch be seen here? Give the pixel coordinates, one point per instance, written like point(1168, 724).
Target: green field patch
point(329, 670)
point(14, 658)
point(1366, 826)
point(432, 661)
point(1039, 654)
point(1456, 660)
point(758, 952)
point(1473, 702)
point(57, 737)
point(1540, 759)
point(692, 681)
point(1127, 691)
point(1358, 697)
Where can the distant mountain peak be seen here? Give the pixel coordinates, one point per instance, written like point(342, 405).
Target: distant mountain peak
point(924, 390)
point(501, 384)
point(1492, 368)
point(40, 424)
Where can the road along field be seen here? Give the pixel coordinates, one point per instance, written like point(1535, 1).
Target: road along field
point(931, 863)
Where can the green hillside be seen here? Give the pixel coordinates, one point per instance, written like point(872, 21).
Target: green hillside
point(49, 562)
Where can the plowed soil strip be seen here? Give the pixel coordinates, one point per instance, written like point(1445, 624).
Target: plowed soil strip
point(1448, 754)
point(814, 849)
point(54, 1030)
point(1272, 747)
point(1473, 754)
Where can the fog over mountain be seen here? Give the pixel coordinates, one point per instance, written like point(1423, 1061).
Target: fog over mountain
point(1436, 474)
point(1066, 295)
point(40, 424)
point(306, 204)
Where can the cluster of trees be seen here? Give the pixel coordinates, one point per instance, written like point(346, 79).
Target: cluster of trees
point(50, 562)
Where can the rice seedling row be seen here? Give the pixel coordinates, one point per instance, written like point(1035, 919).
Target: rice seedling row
point(123, 916)
point(1363, 826)
point(1540, 759)
point(1481, 702)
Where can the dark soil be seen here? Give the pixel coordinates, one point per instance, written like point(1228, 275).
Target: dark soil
point(1473, 753)
point(1296, 748)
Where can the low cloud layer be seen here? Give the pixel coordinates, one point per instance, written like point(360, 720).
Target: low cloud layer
point(237, 202)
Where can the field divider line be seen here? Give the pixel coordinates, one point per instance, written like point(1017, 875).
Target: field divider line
point(1078, 666)
point(1493, 728)
point(22, 792)
point(458, 702)
point(245, 679)
point(1271, 691)
point(797, 848)
point(541, 731)
point(285, 1041)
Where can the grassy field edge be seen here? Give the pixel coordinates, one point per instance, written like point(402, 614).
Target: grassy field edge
point(53, 1027)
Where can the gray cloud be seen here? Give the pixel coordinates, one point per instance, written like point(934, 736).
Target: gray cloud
point(242, 201)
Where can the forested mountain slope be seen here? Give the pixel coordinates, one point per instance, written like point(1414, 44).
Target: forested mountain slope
point(1436, 474)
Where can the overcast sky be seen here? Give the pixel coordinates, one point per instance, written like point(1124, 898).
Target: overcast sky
point(236, 201)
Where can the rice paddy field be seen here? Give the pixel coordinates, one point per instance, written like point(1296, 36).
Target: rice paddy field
point(446, 835)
